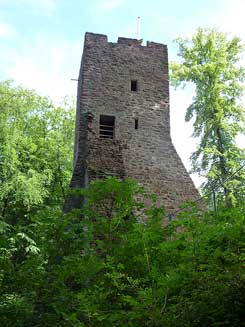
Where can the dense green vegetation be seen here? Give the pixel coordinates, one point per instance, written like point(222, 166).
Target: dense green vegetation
point(210, 61)
point(114, 262)
point(101, 267)
point(35, 151)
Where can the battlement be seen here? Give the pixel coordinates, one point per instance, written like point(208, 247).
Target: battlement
point(101, 39)
point(127, 41)
point(93, 39)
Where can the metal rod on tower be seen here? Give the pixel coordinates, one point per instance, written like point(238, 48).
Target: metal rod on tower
point(138, 28)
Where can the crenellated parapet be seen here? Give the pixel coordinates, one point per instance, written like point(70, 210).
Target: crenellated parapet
point(92, 39)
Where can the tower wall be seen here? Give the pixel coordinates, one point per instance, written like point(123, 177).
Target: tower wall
point(146, 153)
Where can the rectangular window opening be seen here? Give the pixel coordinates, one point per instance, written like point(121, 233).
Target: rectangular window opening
point(134, 85)
point(136, 123)
point(107, 126)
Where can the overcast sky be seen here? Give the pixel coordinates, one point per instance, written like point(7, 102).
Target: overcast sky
point(41, 41)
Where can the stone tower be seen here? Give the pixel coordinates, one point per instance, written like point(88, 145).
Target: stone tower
point(122, 120)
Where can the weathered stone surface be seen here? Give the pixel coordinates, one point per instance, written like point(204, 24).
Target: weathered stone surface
point(147, 153)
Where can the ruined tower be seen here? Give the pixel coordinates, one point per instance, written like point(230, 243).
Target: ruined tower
point(122, 121)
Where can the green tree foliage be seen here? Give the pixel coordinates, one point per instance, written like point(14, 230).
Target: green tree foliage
point(35, 166)
point(35, 150)
point(210, 61)
point(100, 266)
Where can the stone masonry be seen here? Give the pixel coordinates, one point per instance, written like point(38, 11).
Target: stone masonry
point(128, 85)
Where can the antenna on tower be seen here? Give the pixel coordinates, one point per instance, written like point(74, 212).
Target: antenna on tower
point(138, 28)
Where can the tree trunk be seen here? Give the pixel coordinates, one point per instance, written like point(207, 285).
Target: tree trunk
point(223, 167)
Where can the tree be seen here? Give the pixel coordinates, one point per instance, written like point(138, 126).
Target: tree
point(99, 266)
point(36, 141)
point(35, 150)
point(210, 60)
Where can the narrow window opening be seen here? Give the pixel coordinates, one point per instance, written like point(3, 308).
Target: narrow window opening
point(136, 123)
point(134, 85)
point(107, 126)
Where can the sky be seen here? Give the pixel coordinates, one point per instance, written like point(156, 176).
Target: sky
point(41, 42)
